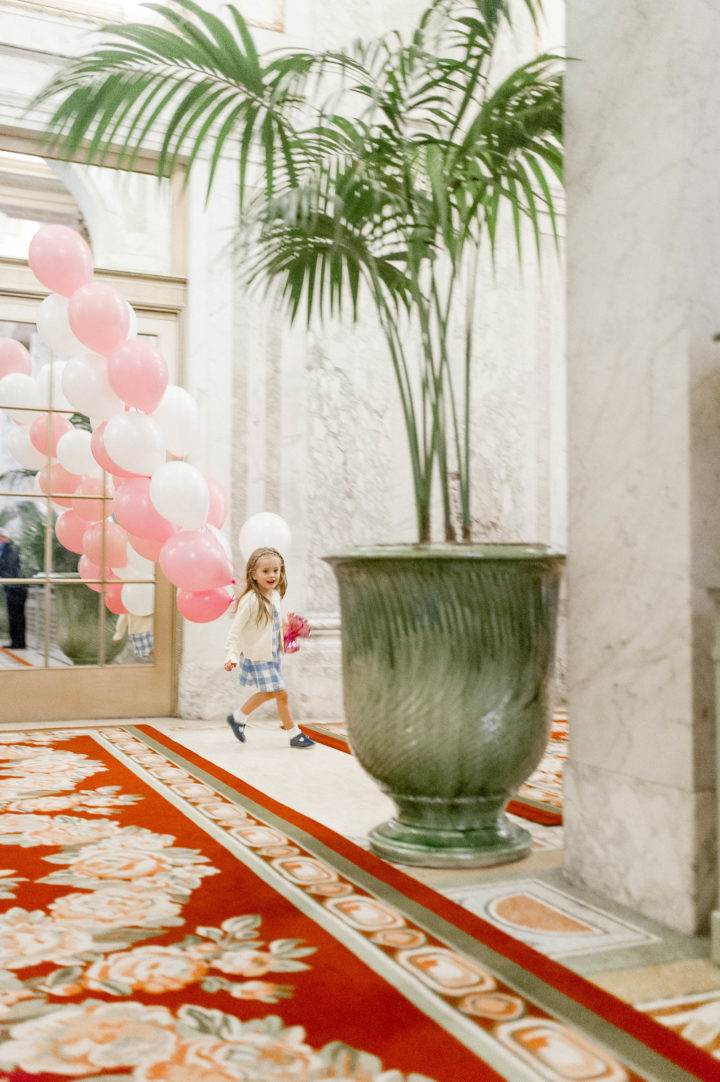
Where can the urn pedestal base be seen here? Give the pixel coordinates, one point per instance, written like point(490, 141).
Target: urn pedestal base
point(499, 842)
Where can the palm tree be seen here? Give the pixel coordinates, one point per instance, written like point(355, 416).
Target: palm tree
point(381, 171)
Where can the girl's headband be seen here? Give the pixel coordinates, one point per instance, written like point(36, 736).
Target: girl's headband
point(259, 553)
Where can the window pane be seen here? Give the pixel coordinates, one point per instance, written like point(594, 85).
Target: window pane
point(21, 630)
point(136, 640)
point(22, 529)
point(76, 616)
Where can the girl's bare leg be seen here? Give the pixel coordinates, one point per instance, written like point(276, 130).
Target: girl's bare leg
point(255, 701)
point(283, 709)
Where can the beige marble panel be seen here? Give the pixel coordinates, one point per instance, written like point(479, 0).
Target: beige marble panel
point(644, 450)
point(660, 982)
point(647, 846)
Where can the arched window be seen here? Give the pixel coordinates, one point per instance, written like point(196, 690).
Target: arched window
point(31, 194)
point(265, 13)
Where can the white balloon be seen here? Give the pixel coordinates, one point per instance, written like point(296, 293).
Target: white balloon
point(220, 537)
point(265, 530)
point(73, 452)
point(87, 387)
point(54, 327)
point(134, 442)
point(138, 598)
point(137, 567)
point(178, 418)
point(23, 450)
point(49, 381)
point(180, 493)
point(18, 389)
point(130, 571)
point(145, 568)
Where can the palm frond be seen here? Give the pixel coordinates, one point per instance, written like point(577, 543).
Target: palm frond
point(188, 78)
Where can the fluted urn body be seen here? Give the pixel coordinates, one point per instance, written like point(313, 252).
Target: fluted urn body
point(447, 655)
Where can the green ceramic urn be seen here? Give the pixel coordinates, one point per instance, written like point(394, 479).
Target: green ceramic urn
point(447, 655)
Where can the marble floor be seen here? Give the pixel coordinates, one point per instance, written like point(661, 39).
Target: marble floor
point(639, 960)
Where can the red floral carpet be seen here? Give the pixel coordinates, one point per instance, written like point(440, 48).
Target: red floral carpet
point(539, 799)
point(165, 922)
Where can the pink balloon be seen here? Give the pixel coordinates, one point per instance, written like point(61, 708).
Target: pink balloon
point(46, 430)
point(69, 530)
point(92, 510)
point(202, 606)
point(97, 446)
point(60, 259)
point(194, 560)
point(138, 374)
point(89, 570)
point(99, 317)
point(115, 544)
point(14, 358)
point(218, 503)
point(113, 598)
point(54, 478)
point(148, 547)
point(135, 512)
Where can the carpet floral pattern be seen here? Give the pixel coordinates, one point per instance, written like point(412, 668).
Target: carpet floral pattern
point(165, 923)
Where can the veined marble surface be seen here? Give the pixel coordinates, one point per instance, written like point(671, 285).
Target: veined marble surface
point(643, 156)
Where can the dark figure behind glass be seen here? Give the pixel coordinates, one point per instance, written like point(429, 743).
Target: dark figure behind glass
point(15, 596)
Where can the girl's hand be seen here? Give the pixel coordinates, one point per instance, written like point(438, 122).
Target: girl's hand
point(230, 665)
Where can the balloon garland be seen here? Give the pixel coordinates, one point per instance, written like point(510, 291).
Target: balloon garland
point(124, 505)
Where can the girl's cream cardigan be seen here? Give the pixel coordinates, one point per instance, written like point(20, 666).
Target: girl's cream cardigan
point(254, 641)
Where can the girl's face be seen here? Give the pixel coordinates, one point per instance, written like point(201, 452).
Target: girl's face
point(267, 573)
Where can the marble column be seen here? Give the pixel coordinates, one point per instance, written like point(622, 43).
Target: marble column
point(643, 162)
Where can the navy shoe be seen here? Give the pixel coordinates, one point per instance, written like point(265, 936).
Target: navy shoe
point(302, 741)
point(238, 728)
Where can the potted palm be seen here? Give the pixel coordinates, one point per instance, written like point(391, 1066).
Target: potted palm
point(379, 175)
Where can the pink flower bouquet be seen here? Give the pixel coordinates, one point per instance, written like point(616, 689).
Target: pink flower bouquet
point(294, 627)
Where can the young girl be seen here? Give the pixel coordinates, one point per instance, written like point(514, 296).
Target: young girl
point(139, 630)
point(256, 636)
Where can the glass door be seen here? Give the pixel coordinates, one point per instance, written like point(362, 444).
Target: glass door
point(64, 650)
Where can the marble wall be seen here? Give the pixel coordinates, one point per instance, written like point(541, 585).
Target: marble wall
point(643, 158)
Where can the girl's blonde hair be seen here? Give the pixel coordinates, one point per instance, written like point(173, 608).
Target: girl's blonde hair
point(265, 610)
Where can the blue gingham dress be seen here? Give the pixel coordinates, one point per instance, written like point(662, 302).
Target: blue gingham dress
point(142, 643)
point(264, 675)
